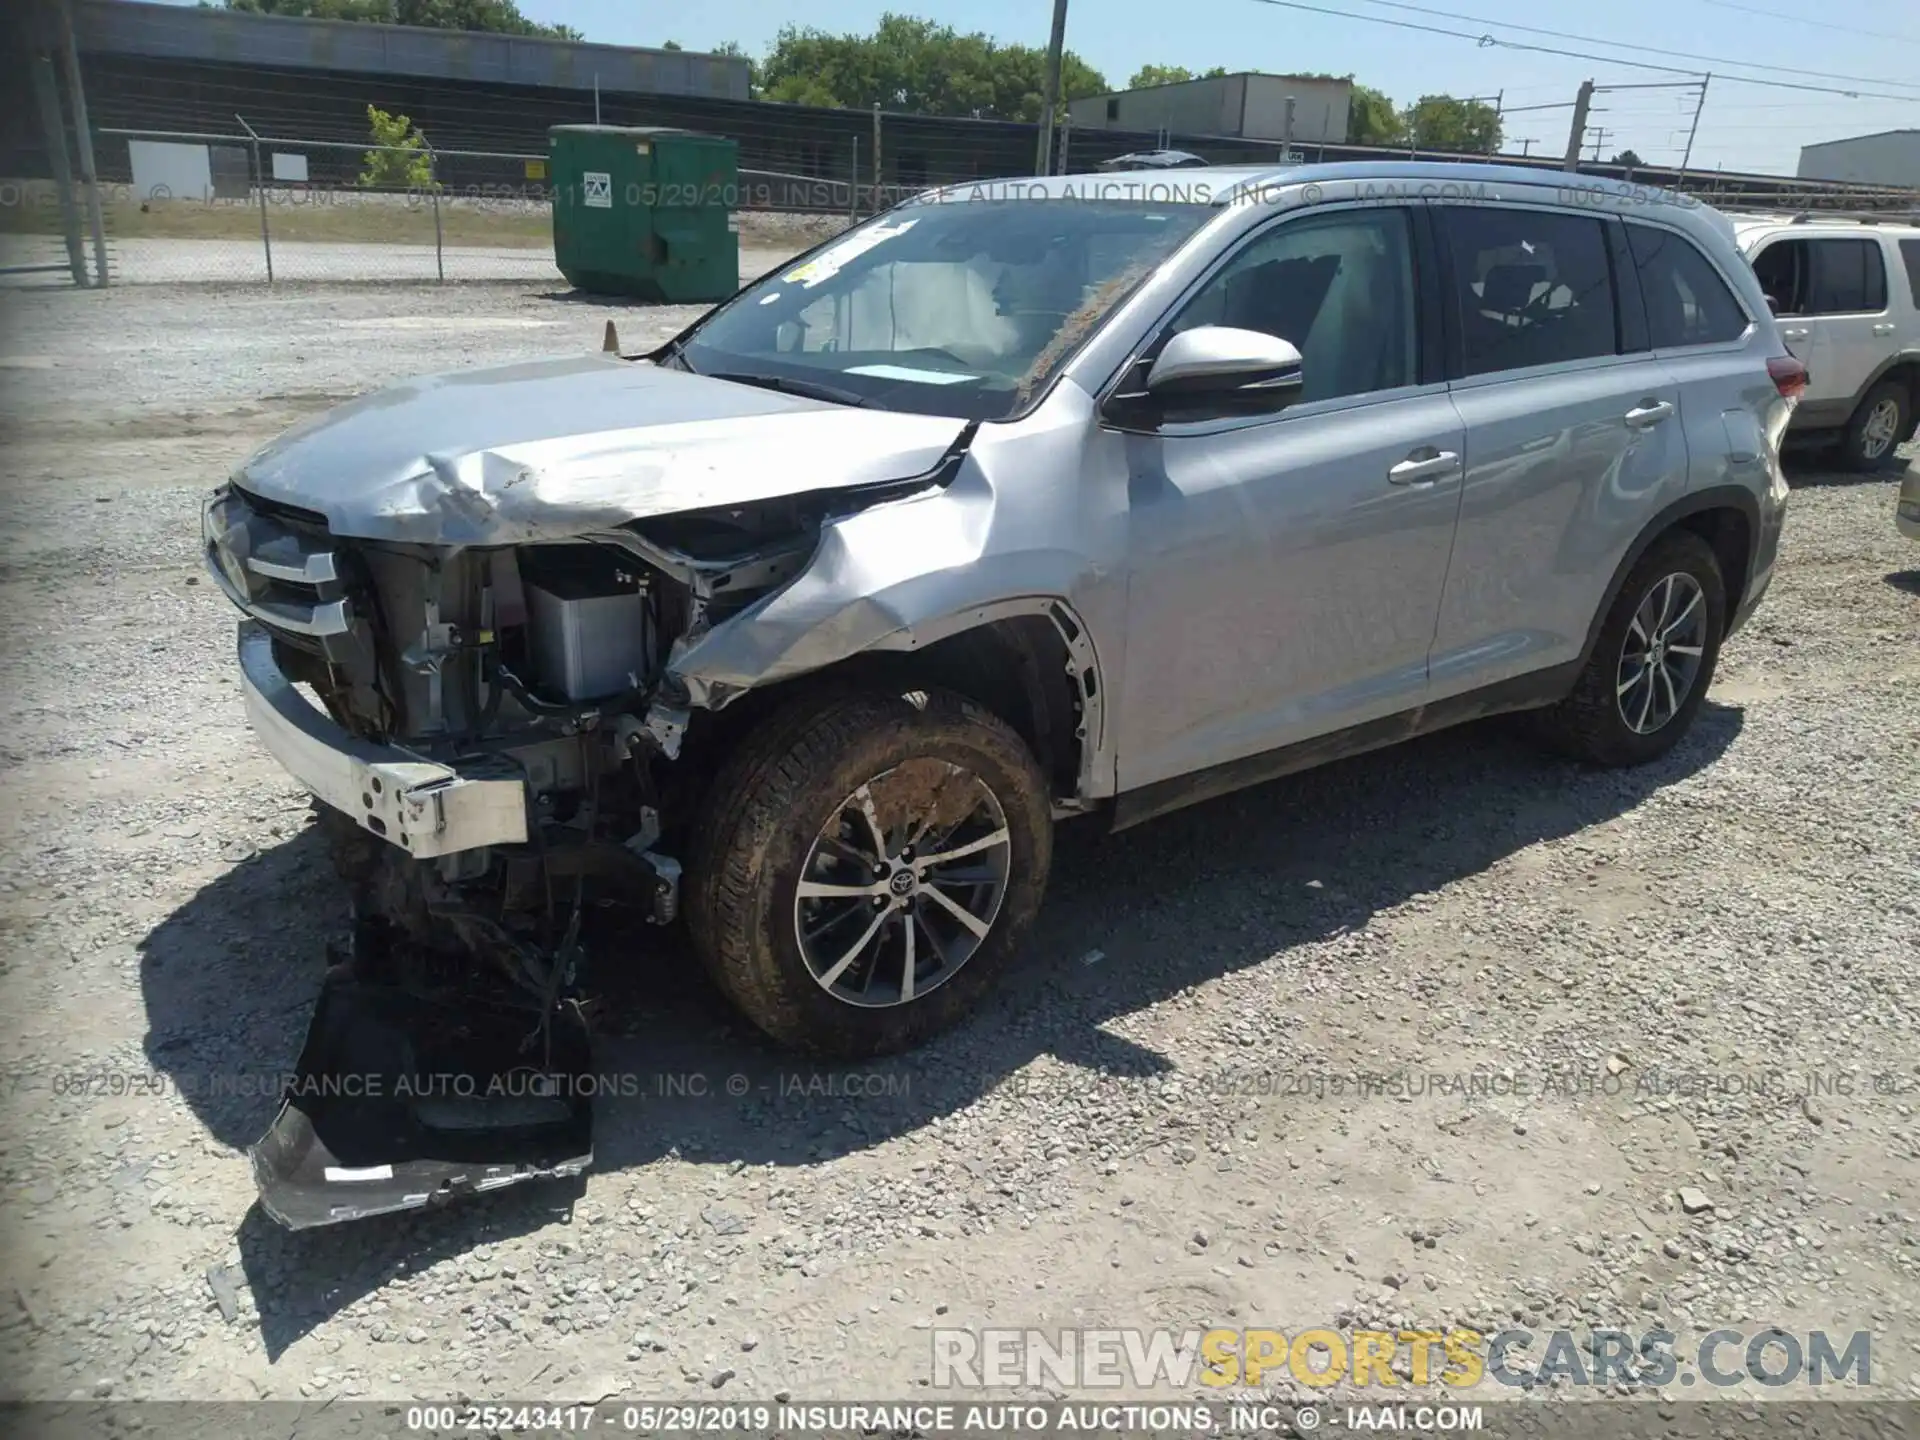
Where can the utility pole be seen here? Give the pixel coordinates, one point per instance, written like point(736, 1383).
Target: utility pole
point(47, 93)
point(1577, 134)
point(1050, 89)
point(1599, 140)
point(1694, 129)
point(83, 140)
point(1526, 147)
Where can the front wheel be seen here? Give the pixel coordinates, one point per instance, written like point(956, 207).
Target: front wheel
point(1652, 662)
point(865, 867)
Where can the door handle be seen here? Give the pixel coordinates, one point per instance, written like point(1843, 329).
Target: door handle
point(1649, 412)
point(1418, 468)
point(1884, 328)
point(1794, 334)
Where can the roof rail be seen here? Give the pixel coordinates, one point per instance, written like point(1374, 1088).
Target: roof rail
point(1857, 217)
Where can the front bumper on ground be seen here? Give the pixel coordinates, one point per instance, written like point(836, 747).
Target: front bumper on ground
point(424, 807)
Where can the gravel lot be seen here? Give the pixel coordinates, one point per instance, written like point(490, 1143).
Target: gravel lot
point(1154, 1125)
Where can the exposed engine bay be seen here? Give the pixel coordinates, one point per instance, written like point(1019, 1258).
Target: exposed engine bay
point(538, 676)
point(548, 662)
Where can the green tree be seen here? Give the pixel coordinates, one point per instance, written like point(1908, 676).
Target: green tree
point(498, 16)
point(1441, 122)
point(671, 45)
point(1372, 120)
point(1628, 158)
point(919, 66)
point(1148, 75)
point(401, 161)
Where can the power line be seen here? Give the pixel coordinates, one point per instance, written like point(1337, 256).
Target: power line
point(1822, 23)
point(1630, 45)
point(1486, 41)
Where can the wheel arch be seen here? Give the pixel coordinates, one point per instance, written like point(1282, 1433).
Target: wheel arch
point(1030, 660)
point(1727, 517)
point(1903, 367)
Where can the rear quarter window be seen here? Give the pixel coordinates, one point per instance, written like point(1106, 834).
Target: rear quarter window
point(1910, 257)
point(1687, 301)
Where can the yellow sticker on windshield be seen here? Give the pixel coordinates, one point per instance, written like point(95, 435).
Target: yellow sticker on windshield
point(829, 261)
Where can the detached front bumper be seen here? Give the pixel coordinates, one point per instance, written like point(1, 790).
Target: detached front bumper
point(425, 808)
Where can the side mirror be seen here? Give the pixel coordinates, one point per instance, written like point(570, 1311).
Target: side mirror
point(1224, 360)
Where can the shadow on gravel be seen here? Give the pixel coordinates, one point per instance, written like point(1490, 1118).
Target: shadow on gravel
point(587, 297)
point(1907, 580)
point(1814, 469)
point(230, 976)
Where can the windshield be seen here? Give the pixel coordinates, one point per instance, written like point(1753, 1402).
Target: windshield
point(947, 308)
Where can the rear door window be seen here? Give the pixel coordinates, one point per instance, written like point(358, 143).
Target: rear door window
point(1687, 301)
point(1828, 276)
point(1530, 287)
point(1910, 257)
point(1849, 277)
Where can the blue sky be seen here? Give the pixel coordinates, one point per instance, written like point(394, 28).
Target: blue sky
point(1744, 127)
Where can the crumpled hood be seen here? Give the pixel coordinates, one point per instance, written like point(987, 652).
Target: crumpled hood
point(553, 448)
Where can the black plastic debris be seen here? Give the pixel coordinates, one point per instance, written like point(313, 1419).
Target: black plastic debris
point(402, 1100)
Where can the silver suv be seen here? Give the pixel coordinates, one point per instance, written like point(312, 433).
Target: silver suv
point(1847, 294)
point(1091, 494)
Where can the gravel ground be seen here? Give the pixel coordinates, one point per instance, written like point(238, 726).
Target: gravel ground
point(1154, 1124)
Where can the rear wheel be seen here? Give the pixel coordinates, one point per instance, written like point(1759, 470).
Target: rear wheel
point(1652, 662)
point(866, 866)
point(1883, 420)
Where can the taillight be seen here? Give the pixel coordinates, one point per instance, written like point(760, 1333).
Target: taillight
point(1789, 376)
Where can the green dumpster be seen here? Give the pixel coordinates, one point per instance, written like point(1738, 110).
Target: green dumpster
point(645, 211)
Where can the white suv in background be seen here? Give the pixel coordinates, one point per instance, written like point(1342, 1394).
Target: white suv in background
point(1847, 295)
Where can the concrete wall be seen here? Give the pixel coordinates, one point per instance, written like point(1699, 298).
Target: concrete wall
point(1892, 158)
point(1319, 109)
point(182, 32)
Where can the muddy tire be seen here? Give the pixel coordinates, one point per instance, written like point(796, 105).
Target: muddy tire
point(1626, 708)
point(824, 942)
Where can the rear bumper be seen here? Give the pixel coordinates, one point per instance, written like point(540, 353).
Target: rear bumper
point(423, 807)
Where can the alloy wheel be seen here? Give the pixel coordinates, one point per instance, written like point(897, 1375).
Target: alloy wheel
point(1879, 433)
point(1660, 659)
point(903, 883)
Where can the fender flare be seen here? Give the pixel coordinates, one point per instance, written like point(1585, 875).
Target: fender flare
point(1083, 665)
point(1891, 363)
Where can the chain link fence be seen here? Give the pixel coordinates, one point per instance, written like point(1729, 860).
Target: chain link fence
point(183, 206)
point(241, 206)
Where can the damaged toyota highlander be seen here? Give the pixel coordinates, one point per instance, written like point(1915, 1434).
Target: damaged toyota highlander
point(1014, 503)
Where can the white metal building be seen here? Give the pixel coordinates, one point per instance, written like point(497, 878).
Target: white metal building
point(1250, 105)
point(1891, 157)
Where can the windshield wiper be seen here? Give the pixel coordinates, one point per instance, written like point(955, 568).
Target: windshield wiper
point(812, 389)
